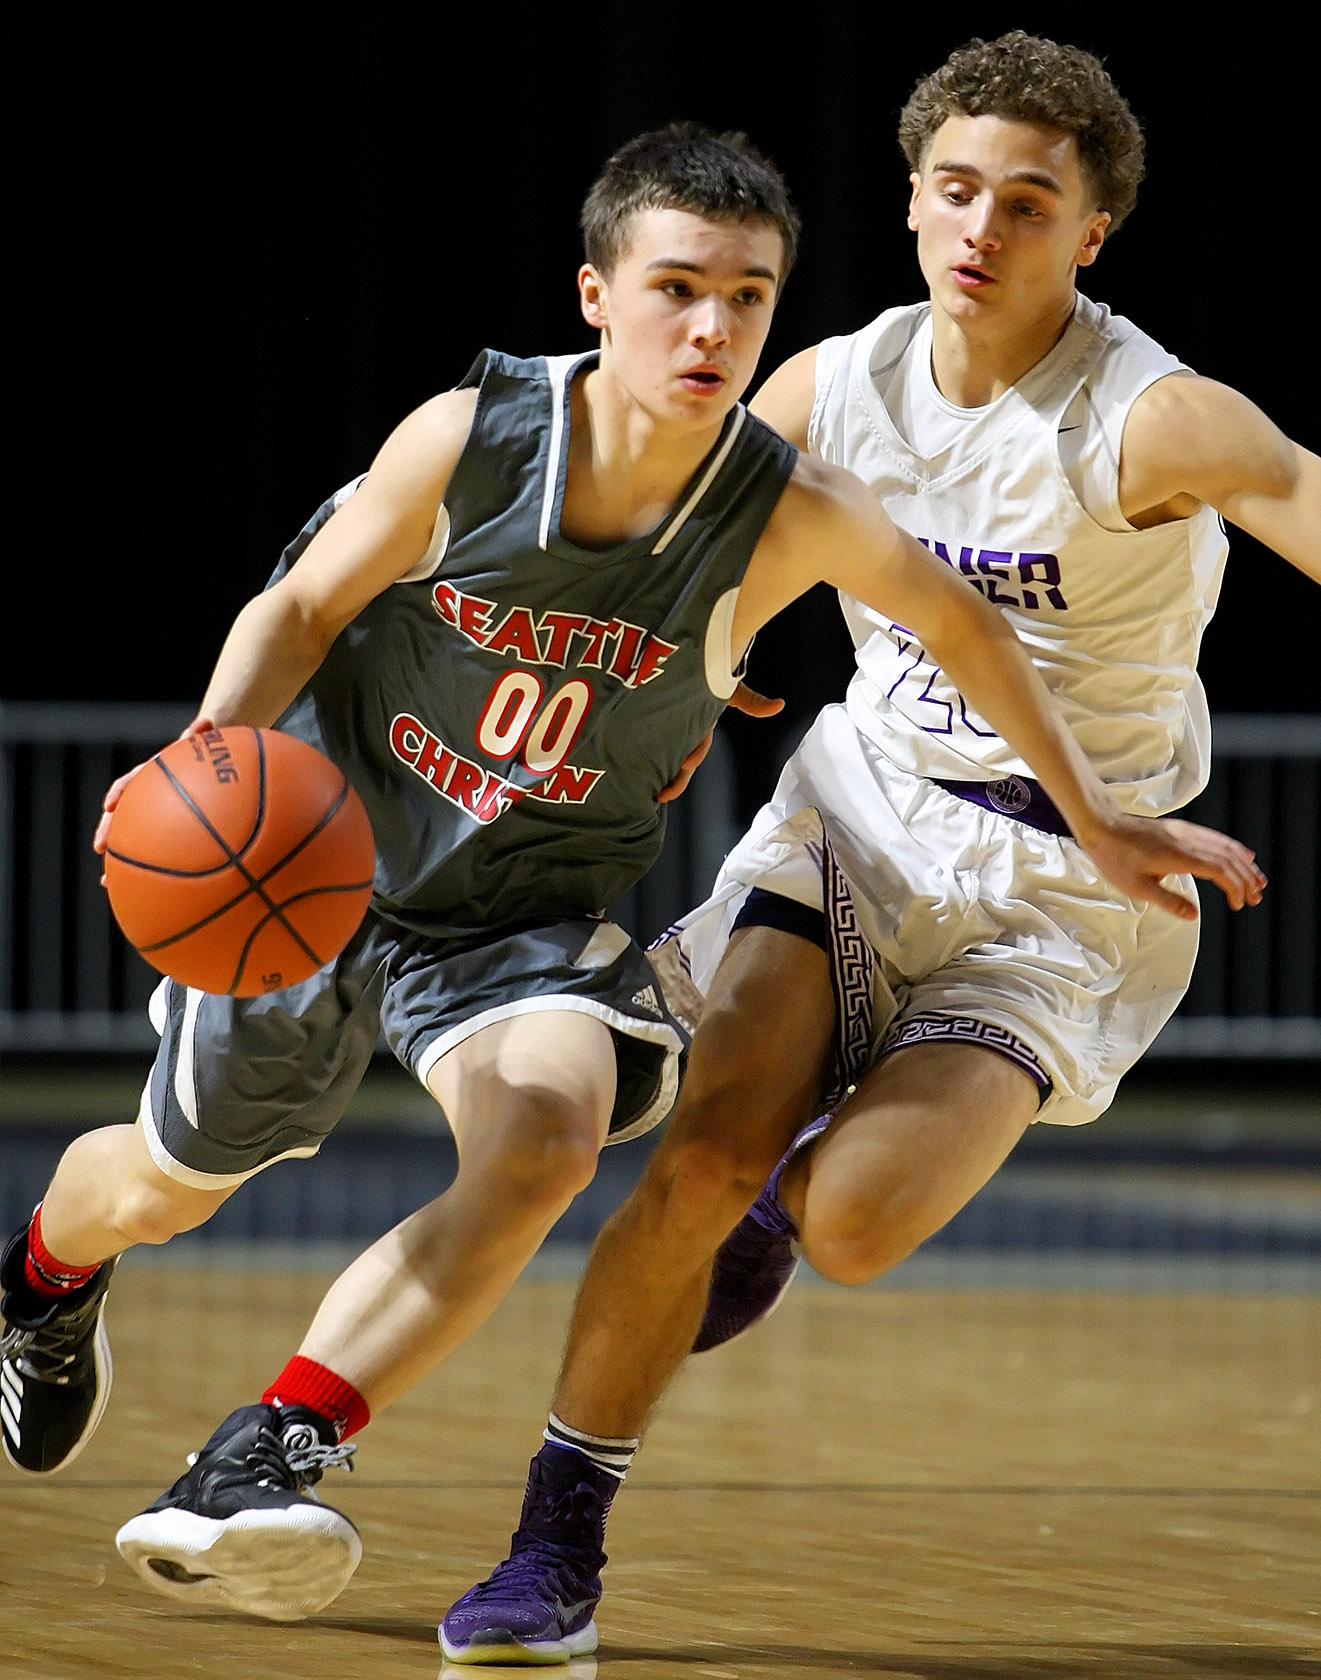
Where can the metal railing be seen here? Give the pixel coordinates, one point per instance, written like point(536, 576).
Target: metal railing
point(1256, 989)
point(69, 981)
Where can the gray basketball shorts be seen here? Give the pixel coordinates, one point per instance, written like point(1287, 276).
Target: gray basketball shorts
point(239, 1083)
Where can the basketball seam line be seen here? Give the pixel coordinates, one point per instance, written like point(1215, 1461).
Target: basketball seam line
point(255, 884)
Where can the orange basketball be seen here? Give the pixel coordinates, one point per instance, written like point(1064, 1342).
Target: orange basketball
point(239, 861)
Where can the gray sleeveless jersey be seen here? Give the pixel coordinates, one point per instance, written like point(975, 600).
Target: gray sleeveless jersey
point(510, 710)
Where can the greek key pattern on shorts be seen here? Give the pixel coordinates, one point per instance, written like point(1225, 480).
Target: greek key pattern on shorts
point(965, 1029)
point(851, 963)
point(671, 932)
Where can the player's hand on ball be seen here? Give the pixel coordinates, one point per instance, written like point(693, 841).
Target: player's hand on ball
point(115, 792)
point(238, 860)
point(1136, 852)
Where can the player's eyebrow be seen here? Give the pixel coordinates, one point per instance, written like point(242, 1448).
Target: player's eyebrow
point(1028, 177)
point(757, 272)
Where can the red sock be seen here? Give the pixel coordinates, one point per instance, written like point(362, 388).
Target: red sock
point(45, 1275)
point(305, 1383)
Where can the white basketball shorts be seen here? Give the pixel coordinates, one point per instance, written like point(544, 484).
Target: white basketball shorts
point(948, 921)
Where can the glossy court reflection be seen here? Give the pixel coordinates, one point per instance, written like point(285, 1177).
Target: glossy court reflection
point(946, 1483)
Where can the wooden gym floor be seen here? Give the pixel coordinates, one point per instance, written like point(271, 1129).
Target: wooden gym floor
point(1036, 1482)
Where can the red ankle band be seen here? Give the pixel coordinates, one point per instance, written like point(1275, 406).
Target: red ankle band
point(305, 1383)
point(44, 1274)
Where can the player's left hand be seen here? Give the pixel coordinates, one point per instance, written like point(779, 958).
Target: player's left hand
point(743, 699)
point(115, 792)
point(1136, 852)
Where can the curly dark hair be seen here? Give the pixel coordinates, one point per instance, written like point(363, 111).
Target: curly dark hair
point(685, 166)
point(1029, 79)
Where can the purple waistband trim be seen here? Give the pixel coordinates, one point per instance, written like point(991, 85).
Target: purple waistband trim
point(1013, 796)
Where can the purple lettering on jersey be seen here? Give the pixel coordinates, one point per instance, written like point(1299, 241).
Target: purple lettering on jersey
point(994, 571)
point(986, 734)
point(926, 698)
point(1046, 568)
point(994, 565)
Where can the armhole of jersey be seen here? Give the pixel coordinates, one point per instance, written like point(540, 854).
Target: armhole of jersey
point(440, 533)
point(440, 541)
point(1089, 461)
point(345, 491)
point(832, 358)
point(429, 564)
point(718, 654)
point(1112, 433)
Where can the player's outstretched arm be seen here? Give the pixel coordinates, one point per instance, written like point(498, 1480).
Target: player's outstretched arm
point(1191, 440)
point(281, 636)
point(830, 528)
point(785, 400)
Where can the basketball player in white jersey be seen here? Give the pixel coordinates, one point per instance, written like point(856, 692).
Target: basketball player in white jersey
point(909, 944)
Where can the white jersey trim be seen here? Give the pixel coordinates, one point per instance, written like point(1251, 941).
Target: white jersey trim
point(717, 461)
point(559, 370)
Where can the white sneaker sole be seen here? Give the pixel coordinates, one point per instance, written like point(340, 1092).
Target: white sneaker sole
point(10, 1402)
point(283, 1565)
point(513, 1653)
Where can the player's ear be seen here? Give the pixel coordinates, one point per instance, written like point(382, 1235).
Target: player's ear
point(1093, 238)
point(915, 180)
point(592, 297)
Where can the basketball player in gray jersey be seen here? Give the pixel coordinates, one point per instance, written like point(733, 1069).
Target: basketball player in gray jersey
point(909, 917)
point(508, 633)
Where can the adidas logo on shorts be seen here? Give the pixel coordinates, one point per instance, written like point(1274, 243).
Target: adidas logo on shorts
point(647, 999)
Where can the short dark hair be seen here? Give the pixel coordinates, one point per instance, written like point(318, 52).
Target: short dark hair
point(684, 166)
point(1028, 79)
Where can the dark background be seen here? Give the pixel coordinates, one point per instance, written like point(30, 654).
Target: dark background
point(247, 251)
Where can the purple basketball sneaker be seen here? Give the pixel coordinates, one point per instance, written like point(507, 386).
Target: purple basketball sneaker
point(756, 1263)
point(535, 1608)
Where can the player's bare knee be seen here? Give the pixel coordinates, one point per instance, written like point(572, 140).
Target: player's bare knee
point(854, 1260)
point(856, 1239)
point(544, 1154)
point(707, 1173)
point(566, 1161)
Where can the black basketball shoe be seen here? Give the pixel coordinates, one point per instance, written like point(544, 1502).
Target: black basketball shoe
point(55, 1366)
point(241, 1529)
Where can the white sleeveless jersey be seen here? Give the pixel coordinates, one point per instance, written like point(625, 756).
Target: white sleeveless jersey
point(1022, 498)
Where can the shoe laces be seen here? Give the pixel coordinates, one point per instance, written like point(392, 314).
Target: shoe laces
point(311, 1462)
point(293, 1466)
point(46, 1354)
point(542, 1569)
